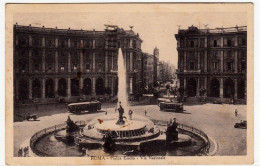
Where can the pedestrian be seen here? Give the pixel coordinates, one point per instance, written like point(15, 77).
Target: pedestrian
point(24, 151)
point(130, 114)
point(236, 112)
point(145, 112)
point(20, 152)
point(170, 121)
point(106, 113)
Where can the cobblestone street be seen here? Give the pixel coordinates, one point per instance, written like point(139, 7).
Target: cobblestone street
point(216, 120)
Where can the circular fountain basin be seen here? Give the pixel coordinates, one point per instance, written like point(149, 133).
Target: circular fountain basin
point(136, 129)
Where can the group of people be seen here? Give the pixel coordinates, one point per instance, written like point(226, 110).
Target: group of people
point(23, 152)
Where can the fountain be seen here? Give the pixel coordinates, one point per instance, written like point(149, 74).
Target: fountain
point(119, 134)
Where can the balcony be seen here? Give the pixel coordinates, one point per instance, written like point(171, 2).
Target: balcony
point(192, 71)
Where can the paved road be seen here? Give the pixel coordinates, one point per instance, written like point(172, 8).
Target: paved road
point(215, 120)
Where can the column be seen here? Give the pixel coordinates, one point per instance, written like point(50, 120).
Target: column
point(198, 60)
point(43, 60)
point(198, 87)
point(81, 83)
point(206, 42)
point(17, 89)
point(206, 86)
point(131, 43)
point(184, 66)
point(93, 86)
point(221, 88)
point(56, 43)
point(69, 43)
point(56, 86)
point(245, 89)
point(30, 88)
point(30, 60)
point(112, 86)
point(94, 44)
point(68, 87)
point(30, 40)
point(94, 62)
point(69, 63)
point(81, 62)
point(16, 40)
point(43, 41)
point(69, 59)
point(235, 88)
point(184, 84)
point(43, 88)
point(221, 61)
point(106, 61)
point(236, 41)
point(56, 62)
point(205, 61)
point(131, 61)
point(236, 64)
point(221, 42)
point(112, 61)
point(106, 81)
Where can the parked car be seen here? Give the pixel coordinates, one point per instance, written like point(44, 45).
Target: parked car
point(242, 125)
point(33, 116)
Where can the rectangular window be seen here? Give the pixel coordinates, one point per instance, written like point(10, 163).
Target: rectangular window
point(192, 65)
point(100, 67)
point(49, 67)
point(202, 43)
point(134, 44)
point(215, 43)
point(131, 85)
point(36, 67)
point(62, 67)
point(192, 43)
point(87, 66)
point(215, 66)
point(75, 66)
point(229, 66)
point(243, 66)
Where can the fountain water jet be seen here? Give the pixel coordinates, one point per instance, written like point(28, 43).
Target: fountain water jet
point(122, 84)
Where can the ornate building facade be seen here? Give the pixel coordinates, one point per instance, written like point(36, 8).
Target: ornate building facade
point(214, 60)
point(51, 63)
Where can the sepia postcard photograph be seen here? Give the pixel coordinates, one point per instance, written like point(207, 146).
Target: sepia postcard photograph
point(129, 83)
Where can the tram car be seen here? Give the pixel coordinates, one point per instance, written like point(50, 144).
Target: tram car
point(78, 108)
point(171, 106)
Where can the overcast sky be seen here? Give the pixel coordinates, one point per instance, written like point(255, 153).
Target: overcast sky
point(154, 28)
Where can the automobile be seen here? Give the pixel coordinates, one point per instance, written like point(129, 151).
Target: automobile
point(242, 124)
point(29, 117)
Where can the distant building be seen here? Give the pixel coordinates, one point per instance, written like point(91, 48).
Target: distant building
point(166, 71)
point(213, 59)
point(150, 65)
point(51, 63)
point(148, 70)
